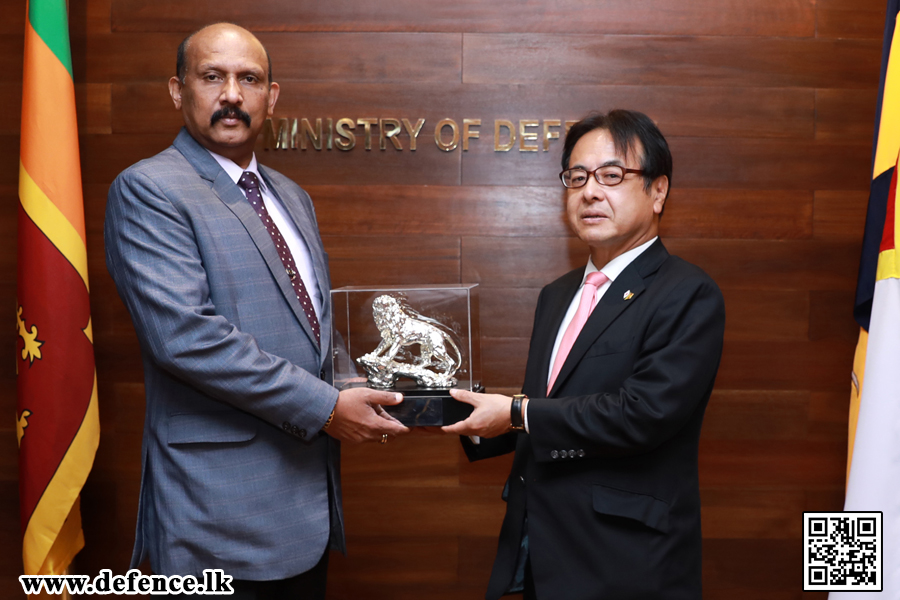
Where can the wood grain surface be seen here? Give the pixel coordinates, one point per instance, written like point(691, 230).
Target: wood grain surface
point(768, 107)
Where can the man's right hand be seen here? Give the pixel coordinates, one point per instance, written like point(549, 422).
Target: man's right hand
point(359, 418)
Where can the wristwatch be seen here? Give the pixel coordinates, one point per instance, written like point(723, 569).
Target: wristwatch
point(516, 420)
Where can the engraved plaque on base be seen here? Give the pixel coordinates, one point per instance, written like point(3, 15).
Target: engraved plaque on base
point(420, 341)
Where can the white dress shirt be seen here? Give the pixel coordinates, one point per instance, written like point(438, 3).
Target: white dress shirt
point(289, 231)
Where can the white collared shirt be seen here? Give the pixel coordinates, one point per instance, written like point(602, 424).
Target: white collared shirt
point(289, 231)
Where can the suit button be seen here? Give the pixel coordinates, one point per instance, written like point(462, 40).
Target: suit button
point(286, 426)
point(322, 374)
point(303, 433)
point(571, 454)
point(580, 453)
point(554, 454)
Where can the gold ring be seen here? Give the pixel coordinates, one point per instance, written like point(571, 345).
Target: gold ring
point(384, 438)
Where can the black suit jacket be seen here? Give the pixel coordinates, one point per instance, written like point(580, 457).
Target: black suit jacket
point(608, 474)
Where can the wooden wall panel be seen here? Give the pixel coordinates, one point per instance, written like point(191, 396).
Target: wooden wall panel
point(11, 57)
point(763, 265)
point(845, 114)
point(750, 513)
point(11, 566)
point(744, 570)
point(817, 366)
point(14, 23)
point(840, 216)
point(424, 562)
point(381, 57)
point(507, 312)
point(362, 260)
point(825, 311)
point(794, 18)
point(487, 472)
point(828, 420)
point(759, 315)
point(755, 415)
point(662, 60)
point(503, 362)
point(93, 102)
point(765, 214)
point(9, 174)
point(473, 211)
point(485, 260)
point(849, 19)
point(11, 120)
point(764, 463)
point(769, 109)
point(87, 17)
point(116, 58)
point(409, 511)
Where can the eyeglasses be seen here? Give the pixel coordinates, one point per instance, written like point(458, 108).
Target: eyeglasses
point(608, 176)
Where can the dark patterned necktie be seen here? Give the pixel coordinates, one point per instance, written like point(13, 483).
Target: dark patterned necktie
point(250, 183)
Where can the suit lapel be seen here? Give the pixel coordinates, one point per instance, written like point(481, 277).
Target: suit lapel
point(622, 293)
point(227, 191)
point(548, 327)
point(305, 223)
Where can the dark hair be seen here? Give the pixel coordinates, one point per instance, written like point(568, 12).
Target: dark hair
point(626, 127)
point(181, 67)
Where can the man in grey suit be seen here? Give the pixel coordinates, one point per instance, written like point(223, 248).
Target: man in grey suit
point(221, 266)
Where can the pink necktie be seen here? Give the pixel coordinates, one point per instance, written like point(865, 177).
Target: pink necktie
point(593, 281)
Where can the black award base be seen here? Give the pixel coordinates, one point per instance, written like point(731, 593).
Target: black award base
point(424, 407)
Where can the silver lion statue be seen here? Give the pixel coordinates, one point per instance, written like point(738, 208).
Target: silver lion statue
point(401, 327)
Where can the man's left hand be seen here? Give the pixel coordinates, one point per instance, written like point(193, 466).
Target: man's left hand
point(489, 419)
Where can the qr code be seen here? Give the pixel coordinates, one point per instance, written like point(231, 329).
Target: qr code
point(842, 551)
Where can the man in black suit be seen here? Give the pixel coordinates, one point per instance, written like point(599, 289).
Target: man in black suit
point(603, 499)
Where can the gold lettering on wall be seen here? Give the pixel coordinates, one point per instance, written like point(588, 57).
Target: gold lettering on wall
point(348, 138)
point(307, 133)
point(533, 135)
point(367, 125)
point(468, 132)
point(525, 136)
point(504, 146)
point(388, 130)
point(413, 132)
point(438, 135)
point(286, 136)
point(550, 135)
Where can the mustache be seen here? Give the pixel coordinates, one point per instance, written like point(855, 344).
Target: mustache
point(227, 112)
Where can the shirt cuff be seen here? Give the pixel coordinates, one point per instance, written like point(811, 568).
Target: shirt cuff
point(525, 414)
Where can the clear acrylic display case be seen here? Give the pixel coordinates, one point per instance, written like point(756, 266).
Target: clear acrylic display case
point(409, 339)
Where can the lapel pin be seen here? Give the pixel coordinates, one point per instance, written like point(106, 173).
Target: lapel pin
point(628, 295)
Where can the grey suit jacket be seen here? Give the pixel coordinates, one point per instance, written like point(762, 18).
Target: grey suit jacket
point(235, 473)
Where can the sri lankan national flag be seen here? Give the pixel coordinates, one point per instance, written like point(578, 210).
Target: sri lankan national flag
point(57, 423)
point(873, 480)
